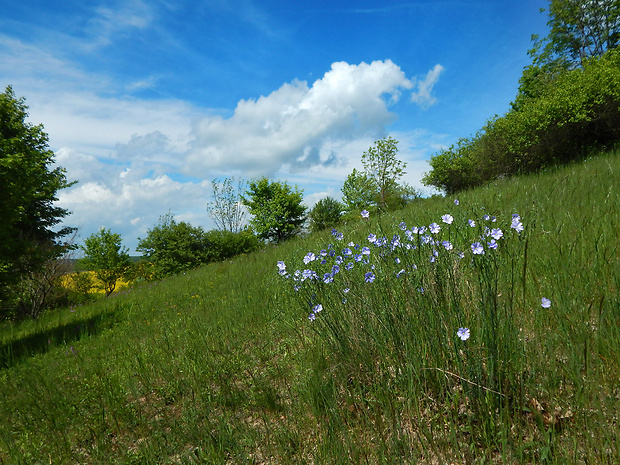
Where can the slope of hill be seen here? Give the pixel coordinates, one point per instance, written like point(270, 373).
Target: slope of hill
point(455, 343)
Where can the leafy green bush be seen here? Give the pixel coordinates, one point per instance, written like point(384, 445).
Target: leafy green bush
point(173, 247)
point(222, 245)
point(325, 214)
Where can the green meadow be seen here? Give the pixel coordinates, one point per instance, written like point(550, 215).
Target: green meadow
point(478, 337)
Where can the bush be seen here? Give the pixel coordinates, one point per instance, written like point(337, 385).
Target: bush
point(222, 245)
point(326, 213)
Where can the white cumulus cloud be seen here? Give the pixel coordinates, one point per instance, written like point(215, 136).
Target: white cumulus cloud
point(294, 127)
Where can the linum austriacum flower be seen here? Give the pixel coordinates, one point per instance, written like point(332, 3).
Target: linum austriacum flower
point(463, 333)
point(545, 303)
point(356, 261)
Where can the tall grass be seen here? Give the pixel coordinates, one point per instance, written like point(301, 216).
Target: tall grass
point(224, 365)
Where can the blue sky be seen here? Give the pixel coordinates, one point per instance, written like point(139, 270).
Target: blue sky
point(145, 102)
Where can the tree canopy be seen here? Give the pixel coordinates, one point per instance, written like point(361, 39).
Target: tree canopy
point(378, 185)
point(105, 255)
point(277, 209)
point(29, 183)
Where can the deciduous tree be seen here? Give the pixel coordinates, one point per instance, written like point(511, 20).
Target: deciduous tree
point(29, 183)
point(105, 255)
point(226, 209)
point(277, 209)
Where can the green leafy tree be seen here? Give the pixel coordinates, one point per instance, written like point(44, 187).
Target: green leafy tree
point(174, 247)
point(378, 185)
point(580, 29)
point(226, 209)
point(105, 255)
point(325, 214)
point(385, 169)
point(29, 184)
point(359, 192)
point(277, 209)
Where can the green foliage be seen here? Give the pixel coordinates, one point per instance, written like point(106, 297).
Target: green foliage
point(28, 237)
point(226, 208)
point(105, 255)
point(382, 166)
point(325, 214)
point(563, 120)
point(377, 187)
point(173, 247)
point(222, 245)
point(579, 30)
point(277, 209)
point(359, 191)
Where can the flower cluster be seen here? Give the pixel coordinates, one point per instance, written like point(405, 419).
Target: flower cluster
point(361, 264)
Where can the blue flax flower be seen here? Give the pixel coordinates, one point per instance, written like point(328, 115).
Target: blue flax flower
point(545, 303)
point(463, 333)
point(369, 277)
point(477, 248)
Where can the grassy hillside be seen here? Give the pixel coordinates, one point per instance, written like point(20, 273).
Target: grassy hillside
point(234, 363)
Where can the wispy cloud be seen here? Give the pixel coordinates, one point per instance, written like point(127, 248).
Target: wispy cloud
point(424, 87)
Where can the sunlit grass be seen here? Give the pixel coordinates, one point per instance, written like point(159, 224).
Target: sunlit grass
point(223, 365)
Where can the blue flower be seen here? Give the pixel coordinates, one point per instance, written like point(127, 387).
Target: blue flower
point(456, 201)
point(477, 248)
point(448, 219)
point(516, 223)
point(463, 333)
point(402, 226)
point(349, 265)
point(310, 257)
point(347, 251)
point(317, 308)
point(434, 227)
point(328, 278)
point(496, 233)
point(471, 223)
point(545, 303)
point(492, 244)
point(365, 213)
point(312, 317)
point(369, 277)
point(447, 245)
